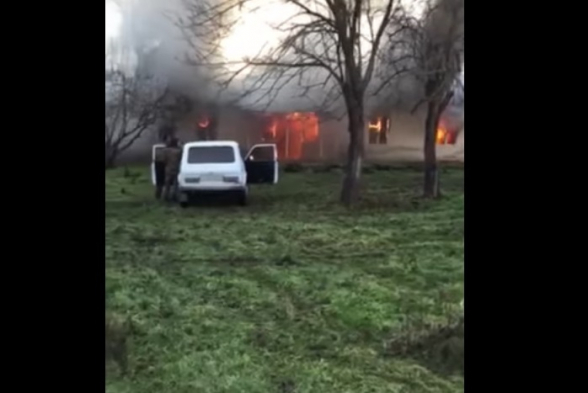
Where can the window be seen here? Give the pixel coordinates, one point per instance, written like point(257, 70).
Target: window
point(262, 153)
point(446, 136)
point(211, 155)
point(378, 129)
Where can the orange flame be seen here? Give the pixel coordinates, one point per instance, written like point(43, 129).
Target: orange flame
point(204, 122)
point(291, 131)
point(441, 135)
point(445, 136)
point(377, 125)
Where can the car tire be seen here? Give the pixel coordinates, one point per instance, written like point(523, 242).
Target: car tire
point(186, 202)
point(242, 198)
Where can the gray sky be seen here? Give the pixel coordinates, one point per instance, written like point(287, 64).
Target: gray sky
point(143, 24)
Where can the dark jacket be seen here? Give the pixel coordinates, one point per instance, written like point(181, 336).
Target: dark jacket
point(172, 158)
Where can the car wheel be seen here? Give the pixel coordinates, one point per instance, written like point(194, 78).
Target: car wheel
point(242, 198)
point(184, 200)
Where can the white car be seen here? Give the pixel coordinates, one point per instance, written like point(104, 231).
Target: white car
point(217, 166)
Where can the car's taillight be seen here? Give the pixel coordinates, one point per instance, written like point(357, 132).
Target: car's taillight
point(231, 179)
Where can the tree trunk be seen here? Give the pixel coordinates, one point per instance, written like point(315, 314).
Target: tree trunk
point(109, 163)
point(351, 181)
point(431, 185)
point(110, 155)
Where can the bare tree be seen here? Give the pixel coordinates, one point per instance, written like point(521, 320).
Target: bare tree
point(173, 108)
point(434, 42)
point(133, 104)
point(326, 51)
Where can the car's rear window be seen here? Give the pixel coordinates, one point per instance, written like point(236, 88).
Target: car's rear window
point(211, 155)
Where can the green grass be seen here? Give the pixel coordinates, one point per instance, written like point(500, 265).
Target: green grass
point(291, 294)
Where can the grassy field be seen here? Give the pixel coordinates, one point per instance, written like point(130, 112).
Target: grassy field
point(291, 294)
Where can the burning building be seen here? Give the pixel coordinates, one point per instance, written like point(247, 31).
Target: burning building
point(399, 136)
point(308, 136)
point(395, 135)
point(445, 134)
point(293, 133)
point(299, 133)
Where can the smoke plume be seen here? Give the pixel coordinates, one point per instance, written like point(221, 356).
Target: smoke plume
point(149, 27)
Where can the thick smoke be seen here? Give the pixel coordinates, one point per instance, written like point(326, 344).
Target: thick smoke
point(149, 27)
point(426, 36)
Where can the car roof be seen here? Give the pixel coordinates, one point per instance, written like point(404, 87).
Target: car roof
point(211, 144)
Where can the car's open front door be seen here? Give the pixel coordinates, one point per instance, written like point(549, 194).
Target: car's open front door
point(261, 164)
point(153, 153)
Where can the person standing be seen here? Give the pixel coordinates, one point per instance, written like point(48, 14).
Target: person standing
point(159, 162)
point(172, 157)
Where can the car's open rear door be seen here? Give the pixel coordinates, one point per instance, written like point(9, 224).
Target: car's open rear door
point(153, 152)
point(261, 164)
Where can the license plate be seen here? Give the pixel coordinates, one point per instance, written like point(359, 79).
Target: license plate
point(211, 177)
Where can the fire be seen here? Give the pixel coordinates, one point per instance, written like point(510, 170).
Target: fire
point(441, 135)
point(378, 130)
point(376, 126)
point(445, 136)
point(273, 128)
point(291, 131)
point(204, 122)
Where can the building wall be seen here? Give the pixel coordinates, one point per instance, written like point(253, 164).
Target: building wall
point(405, 138)
point(404, 143)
